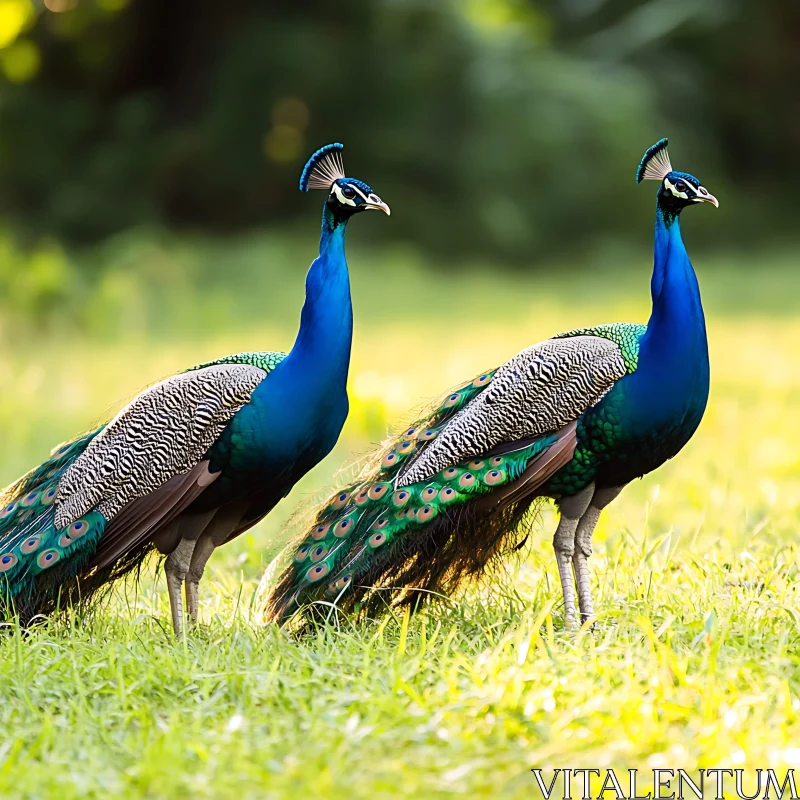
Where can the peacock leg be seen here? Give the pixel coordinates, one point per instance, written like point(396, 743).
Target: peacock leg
point(176, 566)
point(572, 509)
point(205, 547)
point(219, 529)
point(583, 547)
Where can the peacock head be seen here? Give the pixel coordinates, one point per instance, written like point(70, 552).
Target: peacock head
point(678, 189)
point(346, 196)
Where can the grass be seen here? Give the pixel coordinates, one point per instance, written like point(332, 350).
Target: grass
point(694, 660)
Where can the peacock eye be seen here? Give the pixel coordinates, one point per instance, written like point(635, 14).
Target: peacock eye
point(680, 186)
point(349, 192)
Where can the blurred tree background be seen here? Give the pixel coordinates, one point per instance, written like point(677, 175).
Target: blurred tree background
point(505, 127)
point(144, 142)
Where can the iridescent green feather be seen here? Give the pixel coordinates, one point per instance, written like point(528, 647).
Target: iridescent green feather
point(61, 456)
point(30, 544)
point(263, 360)
point(625, 335)
point(377, 517)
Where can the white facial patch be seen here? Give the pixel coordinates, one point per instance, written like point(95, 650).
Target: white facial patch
point(355, 188)
point(671, 187)
point(345, 201)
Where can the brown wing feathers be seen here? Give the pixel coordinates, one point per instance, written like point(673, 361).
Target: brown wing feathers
point(540, 470)
point(146, 517)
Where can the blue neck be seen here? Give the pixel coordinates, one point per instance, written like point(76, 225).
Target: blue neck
point(677, 325)
point(669, 389)
point(320, 356)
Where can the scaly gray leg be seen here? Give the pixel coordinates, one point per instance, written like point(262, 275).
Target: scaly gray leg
point(583, 547)
point(184, 530)
point(215, 534)
point(176, 566)
point(205, 547)
point(572, 509)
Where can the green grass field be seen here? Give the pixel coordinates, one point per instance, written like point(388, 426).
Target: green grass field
point(694, 659)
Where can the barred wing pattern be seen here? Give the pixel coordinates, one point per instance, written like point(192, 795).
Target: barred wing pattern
point(538, 391)
point(162, 433)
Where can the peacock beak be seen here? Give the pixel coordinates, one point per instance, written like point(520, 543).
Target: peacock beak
point(704, 196)
point(376, 204)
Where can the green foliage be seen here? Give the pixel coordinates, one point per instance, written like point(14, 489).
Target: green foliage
point(491, 126)
point(34, 284)
point(700, 668)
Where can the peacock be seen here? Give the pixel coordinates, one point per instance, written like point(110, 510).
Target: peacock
point(194, 460)
point(573, 418)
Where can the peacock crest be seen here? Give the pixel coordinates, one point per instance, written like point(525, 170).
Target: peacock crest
point(323, 169)
point(655, 164)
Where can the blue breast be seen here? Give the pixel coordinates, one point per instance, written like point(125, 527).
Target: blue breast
point(285, 424)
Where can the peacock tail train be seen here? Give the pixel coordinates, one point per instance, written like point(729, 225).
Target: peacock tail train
point(36, 559)
point(377, 543)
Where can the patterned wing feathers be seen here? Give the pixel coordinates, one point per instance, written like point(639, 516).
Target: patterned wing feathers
point(163, 432)
point(97, 499)
point(625, 335)
point(538, 391)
